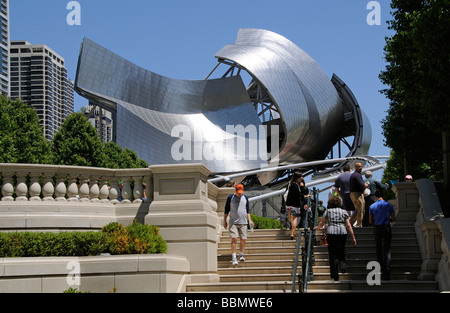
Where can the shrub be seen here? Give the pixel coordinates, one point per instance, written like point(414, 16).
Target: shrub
point(113, 239)
point(265, 223)
point(136, 238)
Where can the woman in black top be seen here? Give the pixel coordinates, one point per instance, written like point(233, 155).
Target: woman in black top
point(295, 202)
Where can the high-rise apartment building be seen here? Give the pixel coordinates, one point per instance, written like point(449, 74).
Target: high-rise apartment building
point(39, 78)
point(101, 120)
point(4, 48)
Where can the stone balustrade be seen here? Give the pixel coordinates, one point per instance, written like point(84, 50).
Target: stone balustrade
point(179, 200)
point(28, 182)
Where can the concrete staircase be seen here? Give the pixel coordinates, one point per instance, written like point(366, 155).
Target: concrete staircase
point(270, 256)
point(405, 265)
point(268, 266)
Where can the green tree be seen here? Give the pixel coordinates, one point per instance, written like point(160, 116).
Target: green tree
point(117, 157)
point(417, 76)
point(21, 137)
point(77, 143)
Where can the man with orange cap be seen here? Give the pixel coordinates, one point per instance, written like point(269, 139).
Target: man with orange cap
point(238, 208)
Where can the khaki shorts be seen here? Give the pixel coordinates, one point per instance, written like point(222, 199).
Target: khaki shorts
point(238, 231)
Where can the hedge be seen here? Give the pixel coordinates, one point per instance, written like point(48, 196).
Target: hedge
point(113, 238)
point(265, 223)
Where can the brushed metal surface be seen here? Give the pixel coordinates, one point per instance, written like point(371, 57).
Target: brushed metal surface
point(314, 112)
point(150, 106)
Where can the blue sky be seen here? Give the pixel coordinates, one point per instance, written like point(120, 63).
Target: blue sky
point(178, 38)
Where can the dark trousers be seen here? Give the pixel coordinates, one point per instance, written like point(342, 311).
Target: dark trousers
point(369, 200)
point(336, 252)
point(383, 236)
point(302, 219)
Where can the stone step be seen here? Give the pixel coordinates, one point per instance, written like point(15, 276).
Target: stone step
point(363, 275)
point(273, 286)
point(365, 248)
point(259, 249)
point(260, 256)
point(256, 277)
point(270, 258)
point(400, 285)
point(278, 232)
point(258, 270)
point(257, 263)
point(363, 262)
point(362, 285)
point(268, 243)
point(398, 268)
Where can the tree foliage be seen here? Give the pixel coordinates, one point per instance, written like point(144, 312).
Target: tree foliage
point(76, 142)
point(418, 78)
point(117, 157)
point(21, 137)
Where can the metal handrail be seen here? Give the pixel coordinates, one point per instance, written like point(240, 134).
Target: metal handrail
point(224, 177)
point(311, 237)
point(296, 261)
point(309, 234)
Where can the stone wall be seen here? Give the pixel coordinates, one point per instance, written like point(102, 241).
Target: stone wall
point(432, 229)
point(98, 274)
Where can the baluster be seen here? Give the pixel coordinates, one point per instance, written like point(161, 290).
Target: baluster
point(138, 190)
point(114, 191)
point(72, 188)
point(84, 189)
point(48, 189)
point(60, 189)
point(126, 190)
point(21, 187)
point(104, 190)
point(8, 187)
point(94, 190)
point(35, 186)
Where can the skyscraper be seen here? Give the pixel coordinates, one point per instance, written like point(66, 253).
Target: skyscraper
point(4, 48)
point(39, 78)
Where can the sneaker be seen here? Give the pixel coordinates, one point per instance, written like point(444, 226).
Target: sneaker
point(241, 258)
point(234, 262)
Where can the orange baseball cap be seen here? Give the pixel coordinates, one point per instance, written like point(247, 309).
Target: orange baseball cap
point(240, 189)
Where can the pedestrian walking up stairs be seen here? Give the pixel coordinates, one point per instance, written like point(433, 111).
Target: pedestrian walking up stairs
point(268, 265)
point(360, 273)
point(270, 258)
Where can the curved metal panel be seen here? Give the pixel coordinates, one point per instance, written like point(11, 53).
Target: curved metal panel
point(308, 103)
point(165, 119)
point(357, 122)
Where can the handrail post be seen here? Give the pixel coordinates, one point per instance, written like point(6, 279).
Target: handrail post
point(309, 237)
point(307, 257)
point(296, 262)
